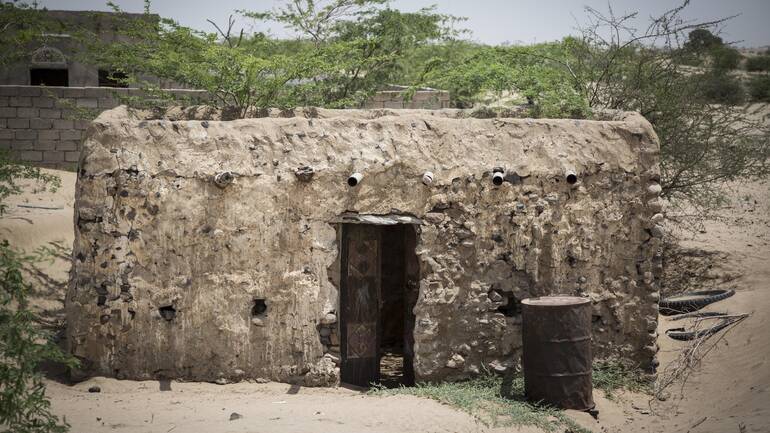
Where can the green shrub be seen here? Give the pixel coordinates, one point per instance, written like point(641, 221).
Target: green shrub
point(613, 375)
point(24, 407)
point(701, 148)
point(348, 49)
point(512, 75)
point(758, 63)
point(11, 172)
point(759, 88)
point(688, 58)
point(725, 58)
point(721, 88)
point(702, 40)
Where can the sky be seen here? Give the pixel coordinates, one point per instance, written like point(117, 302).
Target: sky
point(490, 21)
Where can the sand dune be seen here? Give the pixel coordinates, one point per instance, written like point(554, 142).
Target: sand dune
point(41, 218)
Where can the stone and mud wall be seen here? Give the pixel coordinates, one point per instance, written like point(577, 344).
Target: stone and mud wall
point(178, 276)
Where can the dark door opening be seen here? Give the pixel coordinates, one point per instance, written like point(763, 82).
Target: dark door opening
point(49, 77)
point(378, 291)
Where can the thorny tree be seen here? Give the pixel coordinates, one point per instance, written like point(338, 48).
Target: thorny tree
point(229, 67)
point(366, 42)
point(23, 344)
point(24, 407)
point(703, 145)
point(345, 50)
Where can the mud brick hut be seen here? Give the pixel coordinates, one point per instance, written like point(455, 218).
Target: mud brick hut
point(226, 250)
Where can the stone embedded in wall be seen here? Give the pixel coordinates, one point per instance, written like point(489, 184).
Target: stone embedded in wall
point(323, 373)
point(153, 229)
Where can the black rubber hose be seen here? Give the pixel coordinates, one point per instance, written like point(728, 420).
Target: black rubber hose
point(682, 335)
point(698, 314)
point(692, 301)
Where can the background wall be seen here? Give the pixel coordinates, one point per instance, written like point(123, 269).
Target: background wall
point(44, 125)
point(428, 99)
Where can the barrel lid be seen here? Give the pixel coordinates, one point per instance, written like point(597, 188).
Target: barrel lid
point(555, 301)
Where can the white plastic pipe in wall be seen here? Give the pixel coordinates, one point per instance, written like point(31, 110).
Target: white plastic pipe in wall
point(571, 177)
point(427, 178)
point(498, 177)
point(355, 178)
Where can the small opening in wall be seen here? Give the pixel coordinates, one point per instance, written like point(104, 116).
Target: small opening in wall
point(259, 308)
point(167, 312)
point(510, 306)
point(571, 178)
point(49, 77)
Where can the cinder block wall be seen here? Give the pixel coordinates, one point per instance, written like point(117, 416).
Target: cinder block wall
point(425, 99)
point(44, 125)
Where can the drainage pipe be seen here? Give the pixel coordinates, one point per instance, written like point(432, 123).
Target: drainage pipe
point(498, 176)
point(571, 177)
point(427, 178)
point(355, 178)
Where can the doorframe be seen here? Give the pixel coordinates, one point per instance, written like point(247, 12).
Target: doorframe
point(342, 222)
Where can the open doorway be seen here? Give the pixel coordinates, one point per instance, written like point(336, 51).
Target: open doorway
point(378, 290)
point(49, 77)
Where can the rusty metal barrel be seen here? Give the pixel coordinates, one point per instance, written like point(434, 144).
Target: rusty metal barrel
point(557, 351)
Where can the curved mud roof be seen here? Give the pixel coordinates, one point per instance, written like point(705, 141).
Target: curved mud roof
point(205, 112)
point(386, 143)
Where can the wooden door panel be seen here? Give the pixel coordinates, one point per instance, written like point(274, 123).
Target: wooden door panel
point(359, 304)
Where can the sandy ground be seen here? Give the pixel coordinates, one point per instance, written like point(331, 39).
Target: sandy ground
point(729, 393)
point(130, 406)
point(42, 218)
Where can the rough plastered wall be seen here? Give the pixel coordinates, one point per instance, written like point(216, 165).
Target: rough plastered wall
point(168, 265)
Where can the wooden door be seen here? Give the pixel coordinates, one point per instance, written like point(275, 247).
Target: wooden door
point(359, 304)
